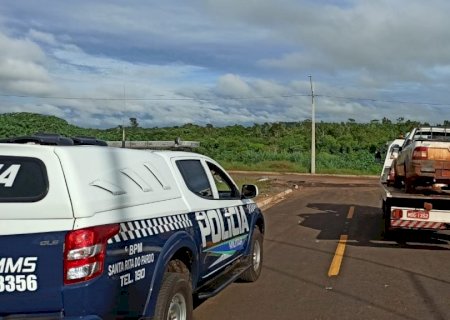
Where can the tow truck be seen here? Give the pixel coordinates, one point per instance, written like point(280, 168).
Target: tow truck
point(426, 208)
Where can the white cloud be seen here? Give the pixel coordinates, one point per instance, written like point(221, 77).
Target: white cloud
point(43, 37)
point(232, 85)
point(22, 67)
point(20, 49)
point(225, 61)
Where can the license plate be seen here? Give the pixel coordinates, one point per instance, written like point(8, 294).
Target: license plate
point(415, 214)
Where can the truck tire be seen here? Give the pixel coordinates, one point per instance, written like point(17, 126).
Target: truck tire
point(387, 232)
point(397, 180)
point(175, 297)
point(409, 185)
point(256, 256)
point(390, 234)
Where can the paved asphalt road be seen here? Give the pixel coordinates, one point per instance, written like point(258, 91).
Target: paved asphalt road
point(376, 279)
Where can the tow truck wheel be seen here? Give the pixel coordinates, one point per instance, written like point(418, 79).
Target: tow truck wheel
point(256, 256)
point(175, 297)
point(387, 232)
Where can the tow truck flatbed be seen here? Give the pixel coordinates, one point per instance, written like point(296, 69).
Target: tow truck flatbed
point(398, 197)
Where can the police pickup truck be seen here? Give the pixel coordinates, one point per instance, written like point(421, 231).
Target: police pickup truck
point(95, 232)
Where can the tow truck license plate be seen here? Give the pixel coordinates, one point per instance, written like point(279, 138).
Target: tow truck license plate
point(417, 214)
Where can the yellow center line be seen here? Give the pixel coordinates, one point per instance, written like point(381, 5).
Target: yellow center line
point(338, 256)
point(340, 250)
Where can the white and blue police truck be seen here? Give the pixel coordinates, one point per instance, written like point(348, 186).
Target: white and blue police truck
point(95, 232)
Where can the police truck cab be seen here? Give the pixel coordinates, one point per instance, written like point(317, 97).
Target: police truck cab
point(93, 232)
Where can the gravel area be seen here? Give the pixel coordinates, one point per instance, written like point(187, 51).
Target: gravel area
point(271, 184)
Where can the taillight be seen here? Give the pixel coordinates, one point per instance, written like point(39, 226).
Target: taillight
point(391, 175)
point(397, 214)
point(420, 153)
point(84, 252)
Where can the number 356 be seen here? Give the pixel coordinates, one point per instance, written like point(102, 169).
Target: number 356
point(21, 283)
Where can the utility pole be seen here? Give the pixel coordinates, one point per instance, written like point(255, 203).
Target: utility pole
point(123, 136)
point(313, 130)
point(125, 108)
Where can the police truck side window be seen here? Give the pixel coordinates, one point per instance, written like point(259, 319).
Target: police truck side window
point(195, 177)
point(225, 187)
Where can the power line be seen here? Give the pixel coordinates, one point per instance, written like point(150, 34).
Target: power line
point(381, 100)
point(164, 98)
point(149, 99)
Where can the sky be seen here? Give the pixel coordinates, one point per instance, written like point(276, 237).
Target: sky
point(224, 62)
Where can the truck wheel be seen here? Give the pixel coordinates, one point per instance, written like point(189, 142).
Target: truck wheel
point(387, 232)
point(256, 256)
point(397, 181)
point(175, 297)
point(409, 186)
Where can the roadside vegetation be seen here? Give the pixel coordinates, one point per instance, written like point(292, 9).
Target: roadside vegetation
point(341, 148)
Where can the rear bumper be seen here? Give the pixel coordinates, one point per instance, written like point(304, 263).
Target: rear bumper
point(415, 225)
point(438, 170)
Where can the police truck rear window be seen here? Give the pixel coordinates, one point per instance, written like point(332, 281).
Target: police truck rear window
point(22, 179)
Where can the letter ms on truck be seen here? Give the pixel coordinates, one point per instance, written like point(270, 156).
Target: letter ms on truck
point(94, 232)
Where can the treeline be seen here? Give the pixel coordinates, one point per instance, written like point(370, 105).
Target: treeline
point(346, 147)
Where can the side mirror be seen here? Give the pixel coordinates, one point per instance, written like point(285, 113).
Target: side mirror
point(249, 191)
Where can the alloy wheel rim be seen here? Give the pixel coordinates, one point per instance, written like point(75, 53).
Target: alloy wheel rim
point(256, 255)
point(177, 308)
